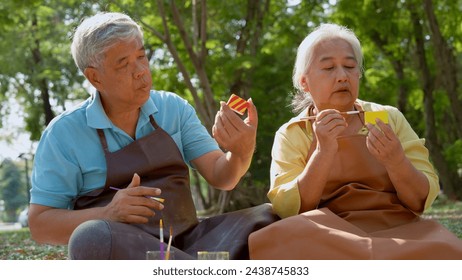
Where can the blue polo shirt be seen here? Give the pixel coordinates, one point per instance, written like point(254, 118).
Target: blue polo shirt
point(70, 160)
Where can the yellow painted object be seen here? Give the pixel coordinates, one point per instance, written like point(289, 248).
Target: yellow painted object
point(370, 117)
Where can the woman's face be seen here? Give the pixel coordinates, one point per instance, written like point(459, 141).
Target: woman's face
point(333, 76)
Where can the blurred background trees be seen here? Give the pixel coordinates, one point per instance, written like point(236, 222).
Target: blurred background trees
point(13, 191)
point(206, 50)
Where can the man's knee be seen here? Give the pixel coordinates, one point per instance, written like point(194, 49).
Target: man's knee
point(91, 240)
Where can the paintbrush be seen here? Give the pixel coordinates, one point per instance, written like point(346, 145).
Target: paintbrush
point(161, 200)
point(161, 234)
point(167, 255)
point(341, 113)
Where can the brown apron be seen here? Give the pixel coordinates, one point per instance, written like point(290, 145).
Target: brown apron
point(359, 217)
point(159, 163)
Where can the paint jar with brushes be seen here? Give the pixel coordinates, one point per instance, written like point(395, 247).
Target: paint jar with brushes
point(162, 254)
point(157, 255)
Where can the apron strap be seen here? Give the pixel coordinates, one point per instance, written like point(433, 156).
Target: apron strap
point(153, 122)
point(102, 137)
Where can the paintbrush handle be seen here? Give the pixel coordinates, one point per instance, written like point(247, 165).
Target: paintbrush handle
point(341, 113)
point(161, 200)
point(161, 238)
point(167, 254)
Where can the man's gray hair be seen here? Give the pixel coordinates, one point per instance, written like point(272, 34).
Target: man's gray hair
point(98, 33)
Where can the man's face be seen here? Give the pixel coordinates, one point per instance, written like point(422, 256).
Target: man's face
point(124, 79)
point(333, 77)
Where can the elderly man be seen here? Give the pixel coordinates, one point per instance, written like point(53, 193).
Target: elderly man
point(99, 165)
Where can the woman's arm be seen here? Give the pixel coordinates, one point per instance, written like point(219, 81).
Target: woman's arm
point(293, 167)
point(411, 184)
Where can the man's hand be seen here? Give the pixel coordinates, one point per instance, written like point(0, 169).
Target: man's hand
point(133, 205)
point(234, 134)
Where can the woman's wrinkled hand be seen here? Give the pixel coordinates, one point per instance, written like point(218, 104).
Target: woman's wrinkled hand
point(384, 145)
point(327, 126)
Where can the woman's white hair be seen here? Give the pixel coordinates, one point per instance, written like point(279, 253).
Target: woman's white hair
point(98, 33)
point(327, 31)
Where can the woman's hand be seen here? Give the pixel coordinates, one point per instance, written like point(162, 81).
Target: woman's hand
point(328, 125)
point(411, 185)
point(384, 145)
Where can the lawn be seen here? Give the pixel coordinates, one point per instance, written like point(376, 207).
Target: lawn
point(448, 213)
point(17, 245)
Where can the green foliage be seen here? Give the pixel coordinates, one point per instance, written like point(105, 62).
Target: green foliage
point(453, 155)
point(12, 190)
point(35, 46)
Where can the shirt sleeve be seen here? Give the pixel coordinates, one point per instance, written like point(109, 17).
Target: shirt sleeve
point(55, 176)
point(289, 158)
point(415, 150)
point(195, 138)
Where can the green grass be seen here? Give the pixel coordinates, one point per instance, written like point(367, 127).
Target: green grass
point(448, 213)
point(17, 244)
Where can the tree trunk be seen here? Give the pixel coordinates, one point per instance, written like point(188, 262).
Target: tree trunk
point(445, 174)
point(198, 57)
point(447, 67)
point(397, 67)
point(249, 44)
point(402, 90)
point(42, 82)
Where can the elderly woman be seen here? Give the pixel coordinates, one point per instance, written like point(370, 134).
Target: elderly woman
point(347, 188)
point(99, 165)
